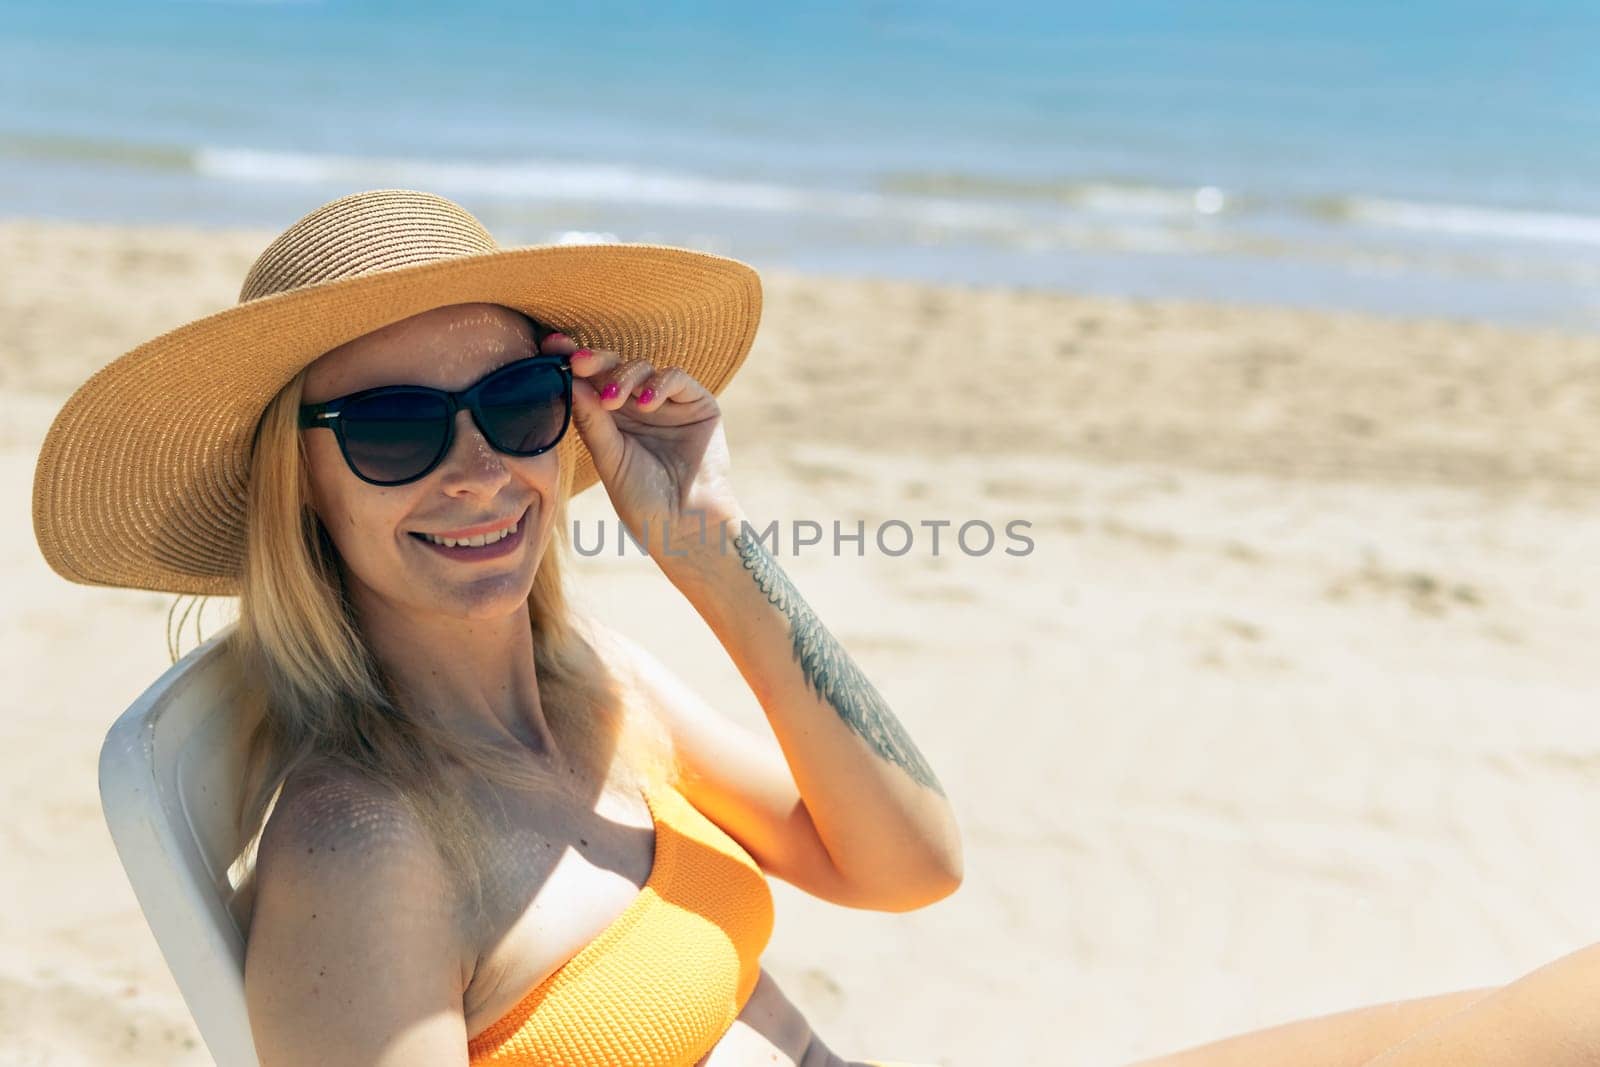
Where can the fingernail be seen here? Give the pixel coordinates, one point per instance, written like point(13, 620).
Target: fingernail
point(646, 395)
point(610, 391)
point(557, 336)
point(582, 353)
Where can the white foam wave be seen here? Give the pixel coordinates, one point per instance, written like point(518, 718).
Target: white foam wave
point(594, 182)
point(1149, 200)
point(932, 215)
point(583, 181)
point(1471, 221)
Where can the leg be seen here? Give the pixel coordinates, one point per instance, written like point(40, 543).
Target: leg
point(1345, 1039)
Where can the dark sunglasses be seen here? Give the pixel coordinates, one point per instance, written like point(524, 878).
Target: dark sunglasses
point(396, 434)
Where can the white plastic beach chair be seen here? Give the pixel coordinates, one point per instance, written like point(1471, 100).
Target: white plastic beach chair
point(169, 773)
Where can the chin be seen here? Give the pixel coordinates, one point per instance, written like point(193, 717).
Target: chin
point(491, 598)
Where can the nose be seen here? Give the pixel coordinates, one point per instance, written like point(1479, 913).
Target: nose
point(472, 465)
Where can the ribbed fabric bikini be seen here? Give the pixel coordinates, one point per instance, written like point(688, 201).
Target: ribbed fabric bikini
point(662, 983)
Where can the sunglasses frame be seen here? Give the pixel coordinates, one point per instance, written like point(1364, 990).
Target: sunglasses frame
point(327, 413)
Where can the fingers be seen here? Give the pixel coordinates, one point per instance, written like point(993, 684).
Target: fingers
point(618, 381)
point(596, 427)
point(557, 344)
point(673, 383)
point(622, 381)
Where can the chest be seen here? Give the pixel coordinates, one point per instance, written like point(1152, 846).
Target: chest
point(560, 875)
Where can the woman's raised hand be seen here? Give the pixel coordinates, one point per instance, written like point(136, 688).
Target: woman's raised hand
point(657, 441)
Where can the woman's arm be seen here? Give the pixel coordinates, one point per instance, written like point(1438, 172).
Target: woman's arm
point(876, 804)
point(1345, 1039)
point(1550, 1017)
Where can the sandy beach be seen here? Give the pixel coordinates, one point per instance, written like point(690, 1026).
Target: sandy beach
point(1291, 707)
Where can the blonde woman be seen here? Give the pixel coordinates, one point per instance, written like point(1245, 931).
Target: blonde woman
point(487, 829)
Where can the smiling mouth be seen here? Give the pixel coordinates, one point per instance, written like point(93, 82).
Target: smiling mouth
point(482, 540)
point(469, 542)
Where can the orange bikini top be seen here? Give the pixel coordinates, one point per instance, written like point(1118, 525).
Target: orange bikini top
point(662, 983)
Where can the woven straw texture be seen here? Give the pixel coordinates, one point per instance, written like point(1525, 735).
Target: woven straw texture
point(141, 480)
point(662, 984)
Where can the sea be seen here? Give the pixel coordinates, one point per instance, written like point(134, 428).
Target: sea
point(1432, 157)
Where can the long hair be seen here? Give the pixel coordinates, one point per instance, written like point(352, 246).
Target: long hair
point(316, 697)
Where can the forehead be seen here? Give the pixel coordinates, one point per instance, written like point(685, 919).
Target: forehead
point(447, 348)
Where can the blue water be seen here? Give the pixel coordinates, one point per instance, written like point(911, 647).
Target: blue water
point(1439, 157)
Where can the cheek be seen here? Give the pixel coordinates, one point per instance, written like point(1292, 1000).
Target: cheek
point(542, 472)
point(359, 517)
point(320, 457)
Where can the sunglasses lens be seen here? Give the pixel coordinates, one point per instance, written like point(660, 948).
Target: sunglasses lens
point(525, 408)
point(394, 437)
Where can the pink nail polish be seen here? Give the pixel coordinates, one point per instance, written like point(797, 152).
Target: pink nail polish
point(557, 336)
point(582, 353)
point(609, 391)
point(646, 395)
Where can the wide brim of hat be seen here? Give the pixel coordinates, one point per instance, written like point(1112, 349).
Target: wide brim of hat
point(142, 477)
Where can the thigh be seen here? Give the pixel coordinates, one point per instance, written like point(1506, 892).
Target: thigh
point(1345, 1039)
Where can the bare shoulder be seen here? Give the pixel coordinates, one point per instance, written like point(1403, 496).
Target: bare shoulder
point(633, 665)
point(322, 812)
point(355, 952)
point(617, 650)
point(738, 778)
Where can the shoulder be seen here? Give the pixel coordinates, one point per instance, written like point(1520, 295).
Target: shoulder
point(349, 886)
point(630, 662)
point(615, 648)
point(632, 667)
point(323, 808)
point(332, 836)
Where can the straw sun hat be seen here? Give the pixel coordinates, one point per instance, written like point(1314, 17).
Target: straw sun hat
point(141, 480)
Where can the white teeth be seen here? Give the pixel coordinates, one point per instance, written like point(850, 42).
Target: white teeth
point(473, 542)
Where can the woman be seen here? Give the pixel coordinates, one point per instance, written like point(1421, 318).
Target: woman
point(491, 830)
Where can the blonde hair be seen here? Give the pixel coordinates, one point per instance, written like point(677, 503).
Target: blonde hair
point(316, 697)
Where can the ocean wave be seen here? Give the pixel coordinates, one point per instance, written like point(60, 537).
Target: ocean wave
point(960, 202)
point(565, 181)
point(600, 183)
point(1470, 220)
point(67, 149)
point(1110, 196)
point(1176, 203)
point(933, 207)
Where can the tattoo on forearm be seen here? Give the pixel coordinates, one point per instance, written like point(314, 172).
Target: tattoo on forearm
point(828, 669)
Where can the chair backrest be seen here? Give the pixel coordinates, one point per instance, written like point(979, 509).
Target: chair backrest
point(170, 769)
